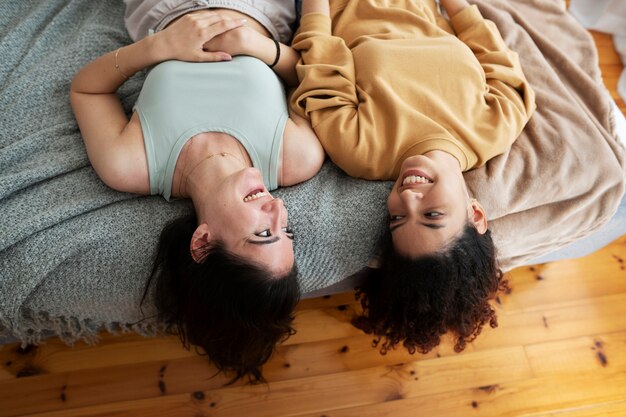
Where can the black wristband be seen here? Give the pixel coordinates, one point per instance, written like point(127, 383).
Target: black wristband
point(277, 54)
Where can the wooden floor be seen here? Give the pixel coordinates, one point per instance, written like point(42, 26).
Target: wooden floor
point(610, 65)
point(560, 350)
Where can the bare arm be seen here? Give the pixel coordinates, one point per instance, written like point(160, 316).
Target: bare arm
point(108, 135)
point(302, 153)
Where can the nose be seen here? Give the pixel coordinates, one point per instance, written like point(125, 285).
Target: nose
point(273, 205)
point(410, 198)
point(276, 210)
point(409, 195)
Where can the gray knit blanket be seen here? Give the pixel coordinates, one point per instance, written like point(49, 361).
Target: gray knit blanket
point(74, 254)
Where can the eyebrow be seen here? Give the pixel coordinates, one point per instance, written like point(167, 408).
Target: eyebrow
point(265, 241)
point(430, 225)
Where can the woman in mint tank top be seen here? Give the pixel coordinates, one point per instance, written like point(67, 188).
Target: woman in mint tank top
point(211, 124)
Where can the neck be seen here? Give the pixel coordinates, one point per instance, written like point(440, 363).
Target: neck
point(208, 173)
point(208, 160)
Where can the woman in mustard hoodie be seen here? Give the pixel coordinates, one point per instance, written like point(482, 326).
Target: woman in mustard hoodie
point(394, 91)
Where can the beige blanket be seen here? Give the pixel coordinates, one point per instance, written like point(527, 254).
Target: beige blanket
point(567, 165)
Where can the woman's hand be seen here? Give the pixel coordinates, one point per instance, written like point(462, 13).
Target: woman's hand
point(246, 41)
point(184, 39)
point(238, 41)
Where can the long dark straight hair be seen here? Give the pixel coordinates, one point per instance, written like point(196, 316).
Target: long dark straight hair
point(232, 309)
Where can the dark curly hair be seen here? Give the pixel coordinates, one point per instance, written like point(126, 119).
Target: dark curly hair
point(231, 308)
point(416, 301)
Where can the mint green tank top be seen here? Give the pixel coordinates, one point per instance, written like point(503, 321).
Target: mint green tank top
point(242, 98)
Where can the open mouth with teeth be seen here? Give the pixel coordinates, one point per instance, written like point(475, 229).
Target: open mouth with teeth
point(416, 179)
point(255, 195)
point(415, 176)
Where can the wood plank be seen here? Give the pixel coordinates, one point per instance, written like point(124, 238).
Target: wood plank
point(610, 65)
point(53, 356)
point(592, 316)
point(598, 354)
point(527, 397)
point(60, 391)
point(319, 394)
point(568, 282)
point(328, 323)
point(574, 273)
point(532, 397)
point(612, 409)
point(340, 355)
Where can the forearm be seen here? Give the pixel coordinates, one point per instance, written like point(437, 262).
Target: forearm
point(108, 72)
point(265, 49)
point(316, 6)
point(452, 7)
point(183, 40)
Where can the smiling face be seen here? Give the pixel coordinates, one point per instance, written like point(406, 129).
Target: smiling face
point(429, 205)
point(248, 221)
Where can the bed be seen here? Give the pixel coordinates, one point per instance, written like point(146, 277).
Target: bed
point(74, 254)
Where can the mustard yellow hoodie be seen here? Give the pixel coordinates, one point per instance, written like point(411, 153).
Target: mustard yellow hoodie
point(390, 79)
